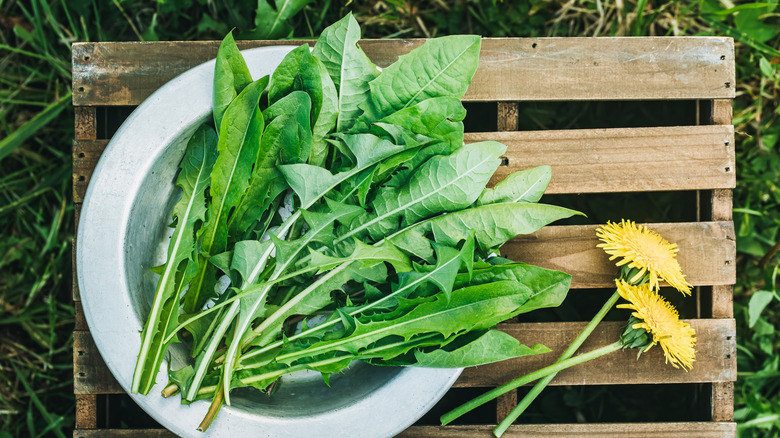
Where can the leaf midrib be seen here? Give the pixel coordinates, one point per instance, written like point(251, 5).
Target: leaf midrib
point(381, 330)
point(433, 79)
point(413, 202)
point(531, 187)
point(342, 69)
point(218, 216)
point(278, 17)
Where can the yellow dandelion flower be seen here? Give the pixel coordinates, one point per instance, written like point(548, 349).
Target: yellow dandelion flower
point(643, 249)
point(661, 320)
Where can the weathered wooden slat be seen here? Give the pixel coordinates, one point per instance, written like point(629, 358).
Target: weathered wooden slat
point(124, 433)
point(722, 402)
point(508, 120)
point(722, 393)
point(86, 154)
point(90, 373)
point(721, 112)
point(85, 123)
point(722, 205)
point(623, 159)
point(86, 411)
point(722, 295)
point(505, 404)
point(508, 116)
point(707, 252)
point(583, 161)
point(647, 430)
point(716, 356)
point(80, 320)
point(511, 69)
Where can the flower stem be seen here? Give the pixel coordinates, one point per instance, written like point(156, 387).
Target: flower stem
point(540, 385)
point(554, 369)
point(528, 378)
point(503, 389)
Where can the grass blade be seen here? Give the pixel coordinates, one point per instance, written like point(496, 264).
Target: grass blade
point(13, 141)
point(53, 423)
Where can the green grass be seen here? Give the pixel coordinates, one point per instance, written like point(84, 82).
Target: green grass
point(36, 130)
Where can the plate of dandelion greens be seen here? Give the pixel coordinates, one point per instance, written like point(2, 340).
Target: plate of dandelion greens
point(304, 242)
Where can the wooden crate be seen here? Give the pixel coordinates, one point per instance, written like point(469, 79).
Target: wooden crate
point(697, 157)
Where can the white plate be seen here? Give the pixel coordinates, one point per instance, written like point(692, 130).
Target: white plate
point(123, 231)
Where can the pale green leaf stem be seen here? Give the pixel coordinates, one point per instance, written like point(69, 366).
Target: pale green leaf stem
point(443, 274)
point(193, 180)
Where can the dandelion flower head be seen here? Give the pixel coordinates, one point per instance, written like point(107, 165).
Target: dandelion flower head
point(645, 250)
point(661, 320)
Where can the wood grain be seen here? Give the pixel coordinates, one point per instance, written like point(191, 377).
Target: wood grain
point(124, 433)
point(722, 205)
point(583, 161)
point(707, 252)
point(716, 341)
point(81, 321)
point(505, 403)
point(647, 430)
point(722, 401)
point(722, 301)
point(722, 393)
point(721, 112)
point(90, 373)
point(86, 411)
point(86, 154)
point(85, 123)
point(510, 69)
point(623, 159)
point(508, 116)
